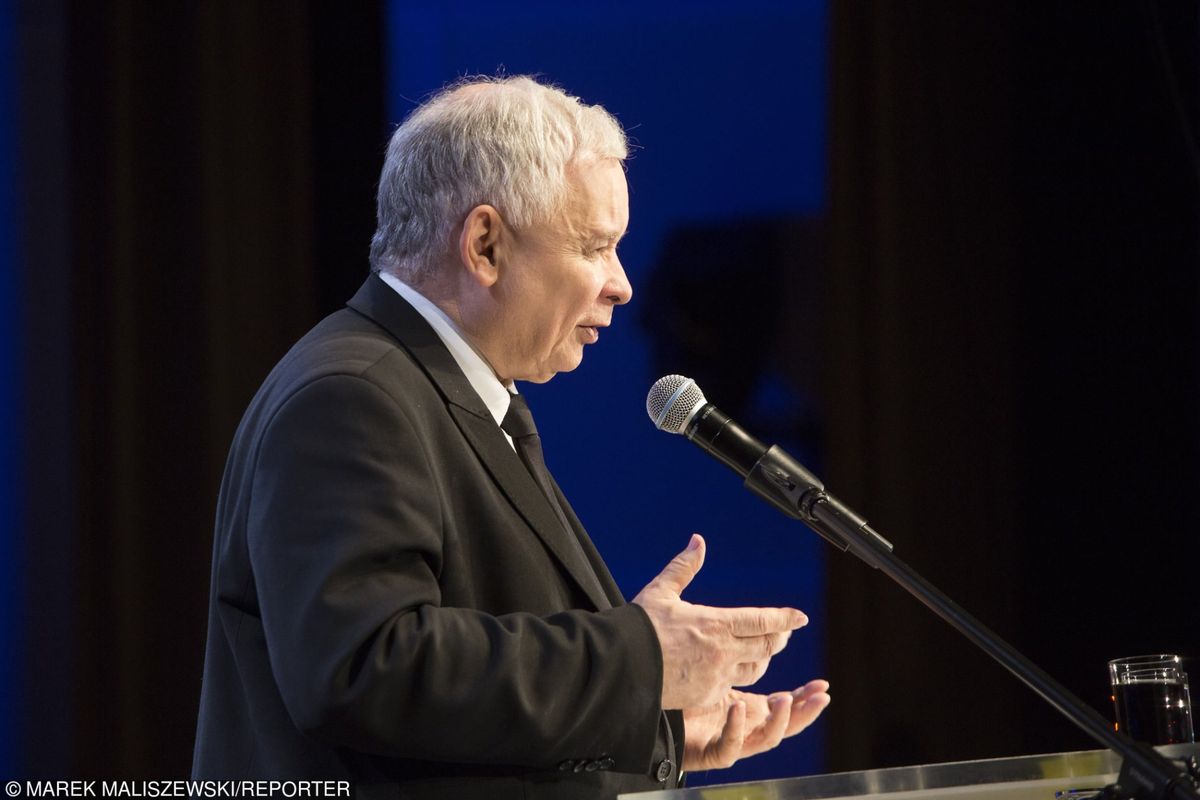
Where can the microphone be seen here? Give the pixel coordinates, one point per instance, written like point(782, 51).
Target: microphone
point(676, 405)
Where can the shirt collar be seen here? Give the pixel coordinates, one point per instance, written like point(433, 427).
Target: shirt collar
point(479, 374)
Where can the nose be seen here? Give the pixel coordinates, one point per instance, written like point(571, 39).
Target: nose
point(617, 289)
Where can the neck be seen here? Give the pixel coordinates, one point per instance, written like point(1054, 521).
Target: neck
point(462, 311)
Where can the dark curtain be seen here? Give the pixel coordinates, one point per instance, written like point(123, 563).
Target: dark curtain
point(1012, 379)
point(200, 182)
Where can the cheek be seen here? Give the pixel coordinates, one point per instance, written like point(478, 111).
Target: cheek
point(575, 308)
point(562, 330)
point(563, 304)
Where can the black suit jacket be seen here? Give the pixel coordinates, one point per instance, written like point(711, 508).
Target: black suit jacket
point(395, 602)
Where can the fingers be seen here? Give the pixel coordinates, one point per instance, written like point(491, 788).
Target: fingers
point(747, 673)
point(727, 749)
point(756, 648)
point(776, 725)
point(759, 650)
point(679, 572)
point(787, 713)
point(763, 621)
point(767, 723)
point(807, 704)
point(753, 723)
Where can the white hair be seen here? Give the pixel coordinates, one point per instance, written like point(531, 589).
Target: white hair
point(507, 142)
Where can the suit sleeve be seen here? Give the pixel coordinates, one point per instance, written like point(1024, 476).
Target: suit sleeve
point(344, 532)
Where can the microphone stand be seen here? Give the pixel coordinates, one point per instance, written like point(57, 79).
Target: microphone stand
point(786, 484)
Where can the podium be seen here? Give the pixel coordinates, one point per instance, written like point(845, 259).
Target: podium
point(1020, 778)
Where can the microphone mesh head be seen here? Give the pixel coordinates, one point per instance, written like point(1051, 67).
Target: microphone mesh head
point(672, 401)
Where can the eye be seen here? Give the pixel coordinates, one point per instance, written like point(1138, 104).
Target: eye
point(595, 250)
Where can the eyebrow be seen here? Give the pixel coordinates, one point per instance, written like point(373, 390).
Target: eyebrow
point(606, 236)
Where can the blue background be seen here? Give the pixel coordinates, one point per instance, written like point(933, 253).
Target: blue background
point(725, 107)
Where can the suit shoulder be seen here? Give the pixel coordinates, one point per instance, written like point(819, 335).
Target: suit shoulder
point(343, 344)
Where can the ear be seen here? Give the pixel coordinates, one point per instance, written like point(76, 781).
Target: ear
point(481, 232)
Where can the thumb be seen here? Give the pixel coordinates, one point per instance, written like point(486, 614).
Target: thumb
point(679, 572)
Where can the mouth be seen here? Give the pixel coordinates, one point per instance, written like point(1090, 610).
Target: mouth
point(591, 333)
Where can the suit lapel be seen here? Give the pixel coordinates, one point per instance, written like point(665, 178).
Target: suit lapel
point(506, 468)
point(612, 592)
point(379, 302)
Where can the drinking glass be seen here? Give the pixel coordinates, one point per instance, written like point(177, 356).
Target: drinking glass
point(1150, 695)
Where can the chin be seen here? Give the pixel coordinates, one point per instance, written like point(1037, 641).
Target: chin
point(547, 374)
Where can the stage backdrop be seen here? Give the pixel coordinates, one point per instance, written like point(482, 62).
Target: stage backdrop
point(993, 349)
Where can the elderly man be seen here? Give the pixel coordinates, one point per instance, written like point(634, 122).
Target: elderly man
point(401, 595)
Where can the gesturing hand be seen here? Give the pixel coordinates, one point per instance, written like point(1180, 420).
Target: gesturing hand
point(743, 724)
point(706, 651)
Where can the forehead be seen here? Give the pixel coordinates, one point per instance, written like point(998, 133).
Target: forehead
point(597, 199)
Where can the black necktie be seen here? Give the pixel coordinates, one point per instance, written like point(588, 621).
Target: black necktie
point(518, 423)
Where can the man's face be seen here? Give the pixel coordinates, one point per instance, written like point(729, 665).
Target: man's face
point(560, 280)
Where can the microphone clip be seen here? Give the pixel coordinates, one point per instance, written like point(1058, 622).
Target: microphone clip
point(784, 483)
